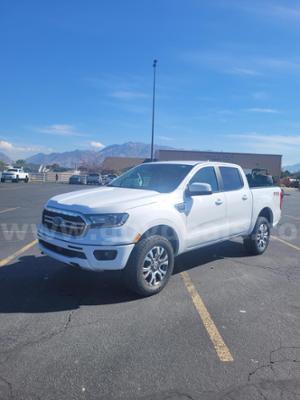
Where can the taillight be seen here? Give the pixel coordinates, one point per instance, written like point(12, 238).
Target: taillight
point(281, 198)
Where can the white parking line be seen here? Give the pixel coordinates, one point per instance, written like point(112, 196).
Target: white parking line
point(8, 209)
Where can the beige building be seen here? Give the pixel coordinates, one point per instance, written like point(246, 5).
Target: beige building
point(271, 162)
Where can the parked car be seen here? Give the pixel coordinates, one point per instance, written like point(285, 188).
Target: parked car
point(154, 212)
point(15, 175)
point(94, 179)
point(294, 183)
point(108, 178)
point(75, 180)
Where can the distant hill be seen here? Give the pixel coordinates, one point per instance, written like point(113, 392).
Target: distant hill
point(80, 157)
point(66, 159)
point(292, 168)
point(5, 158)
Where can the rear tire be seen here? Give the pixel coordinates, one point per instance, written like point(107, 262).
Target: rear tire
point(257, 243)
point(2, 180)
point(150, 266)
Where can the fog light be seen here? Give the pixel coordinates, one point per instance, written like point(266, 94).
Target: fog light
point(105, 254)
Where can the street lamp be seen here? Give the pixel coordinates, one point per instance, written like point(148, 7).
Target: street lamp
point(153, 109)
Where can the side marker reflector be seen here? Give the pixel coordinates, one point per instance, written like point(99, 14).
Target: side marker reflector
point(137, 238)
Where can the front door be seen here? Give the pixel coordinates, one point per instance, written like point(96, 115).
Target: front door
point(206, 214)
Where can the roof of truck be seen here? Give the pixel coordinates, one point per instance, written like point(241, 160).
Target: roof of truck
point(185, 162)
point(195, 162)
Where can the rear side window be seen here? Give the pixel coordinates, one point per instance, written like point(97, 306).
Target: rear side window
point(206, 175)
point(232, 179)
point(260, 180)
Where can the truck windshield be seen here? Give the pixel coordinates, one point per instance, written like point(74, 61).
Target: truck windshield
point(162, 178)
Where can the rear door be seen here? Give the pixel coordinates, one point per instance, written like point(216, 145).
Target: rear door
point(238, 199)
point(206, 214)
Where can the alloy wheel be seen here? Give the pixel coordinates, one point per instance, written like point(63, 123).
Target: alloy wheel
point(155, 266)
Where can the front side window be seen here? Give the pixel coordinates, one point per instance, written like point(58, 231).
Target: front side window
point(206, 175)
point(232, 179)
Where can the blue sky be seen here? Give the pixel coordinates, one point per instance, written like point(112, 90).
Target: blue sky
point(78, 74)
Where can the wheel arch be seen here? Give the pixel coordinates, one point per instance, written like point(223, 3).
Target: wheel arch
point(167, 232)
point(268, 214)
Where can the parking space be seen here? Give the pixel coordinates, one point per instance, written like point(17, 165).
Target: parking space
point(20, 211)
point(226, 326)
point(290, 224)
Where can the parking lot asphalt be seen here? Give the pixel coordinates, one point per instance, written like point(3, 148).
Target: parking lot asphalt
point(71, 334)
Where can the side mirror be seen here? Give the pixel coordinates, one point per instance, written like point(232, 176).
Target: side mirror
point(199, 189)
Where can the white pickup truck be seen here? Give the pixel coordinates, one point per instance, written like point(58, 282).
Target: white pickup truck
point(15, 175)
point(152, 213)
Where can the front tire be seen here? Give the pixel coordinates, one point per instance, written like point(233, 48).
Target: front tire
point(150, 266)
point(257, 243)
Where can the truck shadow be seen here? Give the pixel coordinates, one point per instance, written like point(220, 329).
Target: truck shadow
point(195, 258)
point(39, 284)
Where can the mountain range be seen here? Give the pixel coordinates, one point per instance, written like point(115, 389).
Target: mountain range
point(5, 158)
point(69, 159)
point(292, 168)
point(78, 157)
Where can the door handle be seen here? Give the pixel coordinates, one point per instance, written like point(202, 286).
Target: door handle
point(245, 197)
point(218, 202)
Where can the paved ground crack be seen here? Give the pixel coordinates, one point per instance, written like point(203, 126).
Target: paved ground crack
point(7, 391)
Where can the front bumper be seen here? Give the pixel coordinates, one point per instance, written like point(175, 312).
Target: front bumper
point(83, 255)
point(9, 177)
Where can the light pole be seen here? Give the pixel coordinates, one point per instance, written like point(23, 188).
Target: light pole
point(153, 109)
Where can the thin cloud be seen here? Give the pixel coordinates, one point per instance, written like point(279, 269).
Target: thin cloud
point(286, 12)
point(287, 145)
point(128, 95)
point(274, 12)
point(241, 63)
point(60, 130)
point(245, 72)
point(20, 151)
point(122, 88)
point(280, 12)
point(97, 145)
point(287, 140)
point(262, 110)
point(260, 95)
point(4, 145)
point(166, 138)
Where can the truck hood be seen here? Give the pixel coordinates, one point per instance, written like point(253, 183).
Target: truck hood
point(103, 200)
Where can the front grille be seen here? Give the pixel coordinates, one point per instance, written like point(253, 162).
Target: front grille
point(62, 250)
point(65, 223)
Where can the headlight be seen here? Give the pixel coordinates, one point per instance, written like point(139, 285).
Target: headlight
point(107, 220)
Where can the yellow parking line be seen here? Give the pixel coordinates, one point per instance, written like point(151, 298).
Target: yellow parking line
point(217, 340)
point(8, 259)
point(286, 243)
point(9, 209)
